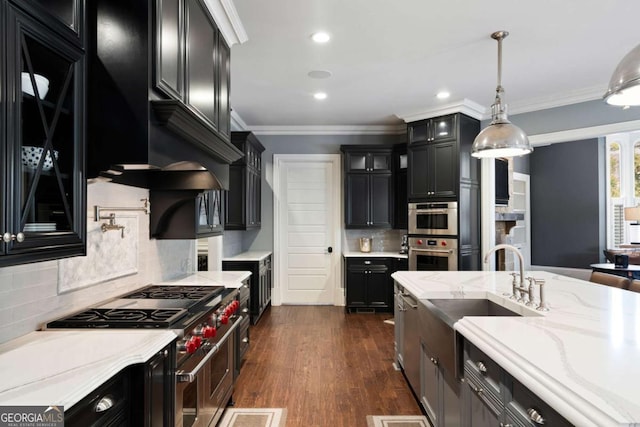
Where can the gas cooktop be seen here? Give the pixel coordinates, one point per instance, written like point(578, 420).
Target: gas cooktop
point(154, 306)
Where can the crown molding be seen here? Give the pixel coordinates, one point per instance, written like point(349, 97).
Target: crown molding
point(583, 133)
point(237, 123)
point(330, 130)
point(226, 16)
point(466, 106)
point(557, 100)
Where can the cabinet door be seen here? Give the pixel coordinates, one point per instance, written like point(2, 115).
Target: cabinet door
point(45, 141)
point(357, 201)
point(444, 170)
point(66, 11)
point(429, 384)
point(377, 290)
point(257, 199)
point(381, 200)
point(380, 162)
point(169, 34)
point(159, 389)
point(201, 46)
point(401, 213)
point(443, 128)
point(418, 131)
point(418, 169)
point(356, 287)
point(356, 162)
point(235, 199)
point(479, 414)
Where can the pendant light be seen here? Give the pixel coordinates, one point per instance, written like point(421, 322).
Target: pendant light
point(501, 138)
point(624, 86)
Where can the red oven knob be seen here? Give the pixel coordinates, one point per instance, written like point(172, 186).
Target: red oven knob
point(209, 331)
point(443, 243)
point(224, 319)
point(419, 241)
point(197, 341)
point(190, 346)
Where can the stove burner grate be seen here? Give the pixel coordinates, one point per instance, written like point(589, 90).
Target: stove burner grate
point(122, 317)
point(175, 292)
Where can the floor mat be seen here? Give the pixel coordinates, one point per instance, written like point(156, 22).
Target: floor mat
point(397, 421)
point(254, 417)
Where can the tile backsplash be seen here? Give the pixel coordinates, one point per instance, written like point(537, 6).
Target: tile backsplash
point(382, 240)
point(30, 294)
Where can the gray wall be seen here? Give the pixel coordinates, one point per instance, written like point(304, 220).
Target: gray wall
point(290, 144)
point(567, 204)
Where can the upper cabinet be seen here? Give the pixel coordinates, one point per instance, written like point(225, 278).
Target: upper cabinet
point(161, 70)
point(368, 188)
point(243, 200)
point(42, 125)
point(400, 166)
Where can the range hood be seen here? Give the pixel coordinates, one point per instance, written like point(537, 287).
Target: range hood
point(176, 176)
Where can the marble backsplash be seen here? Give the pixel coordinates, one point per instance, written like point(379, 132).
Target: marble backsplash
point(382, 240)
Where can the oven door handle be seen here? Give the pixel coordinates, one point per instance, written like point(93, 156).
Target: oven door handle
point(189, 377)
point(432, 211)
point(437, 251)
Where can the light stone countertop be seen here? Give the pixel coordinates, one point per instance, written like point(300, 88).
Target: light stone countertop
point(249, 256)
point(228, 279)
point(581, 357)
point(62, 367)
point(356, 254)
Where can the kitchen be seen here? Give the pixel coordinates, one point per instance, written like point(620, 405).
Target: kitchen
point(34, 294)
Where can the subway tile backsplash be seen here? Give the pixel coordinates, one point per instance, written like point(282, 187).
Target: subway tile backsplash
point(30, 294)
point(382, 240)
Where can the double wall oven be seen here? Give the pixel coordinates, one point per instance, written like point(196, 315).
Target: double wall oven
point(206, 320)
point(433, 236)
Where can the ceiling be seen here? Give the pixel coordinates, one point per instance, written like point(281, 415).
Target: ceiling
point(389, 58)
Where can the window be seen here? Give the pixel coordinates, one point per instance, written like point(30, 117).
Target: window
point(623, 183)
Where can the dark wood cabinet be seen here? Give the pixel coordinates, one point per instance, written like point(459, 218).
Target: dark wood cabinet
point(244, 198)
point(186, 214)
point(261, 282)
point(42, 117)
point(435, 171)
point(368, 186)
point(502, 181)
point(159, 389)
point(368, 282)
point(169, 63)
point(400, 166)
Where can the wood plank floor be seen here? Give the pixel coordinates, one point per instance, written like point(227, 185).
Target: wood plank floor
point(328, 368)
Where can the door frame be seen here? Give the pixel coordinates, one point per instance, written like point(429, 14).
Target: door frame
point(279, 161)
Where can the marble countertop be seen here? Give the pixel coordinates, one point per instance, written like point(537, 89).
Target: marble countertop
point(62, 367)
point(353, 254)
point(249, 256)
point(581, 357)
point(228, 279)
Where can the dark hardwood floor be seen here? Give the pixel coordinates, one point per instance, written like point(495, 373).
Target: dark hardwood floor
point(328, 368)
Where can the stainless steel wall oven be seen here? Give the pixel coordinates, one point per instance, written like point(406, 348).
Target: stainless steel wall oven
point(440, 219)
point(433, 254)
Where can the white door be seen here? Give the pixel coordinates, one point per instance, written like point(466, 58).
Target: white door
point(306, 225)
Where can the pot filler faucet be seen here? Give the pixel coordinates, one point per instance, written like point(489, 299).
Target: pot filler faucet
point(520, 291)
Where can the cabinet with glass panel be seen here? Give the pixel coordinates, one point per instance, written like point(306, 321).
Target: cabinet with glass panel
point(43, 208)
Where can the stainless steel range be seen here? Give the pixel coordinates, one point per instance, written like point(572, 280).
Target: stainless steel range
point(203, 317)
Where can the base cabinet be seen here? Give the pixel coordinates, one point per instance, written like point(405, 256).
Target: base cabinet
point(260, 282)
point(368, 283)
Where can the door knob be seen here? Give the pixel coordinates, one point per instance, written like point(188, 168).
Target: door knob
point(330, 249)
point(8, 237)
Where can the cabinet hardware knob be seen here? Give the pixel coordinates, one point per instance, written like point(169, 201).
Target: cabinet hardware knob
point(104, 404)
point(535, 416)
point(477, 390)
point(245, 340)
point(8, 237)
point(245, 310)
point(367, 262)
point(434, 360)
point(481, 367)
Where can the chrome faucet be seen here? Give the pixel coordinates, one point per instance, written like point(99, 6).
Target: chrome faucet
point(112, 225)
point(516, 289)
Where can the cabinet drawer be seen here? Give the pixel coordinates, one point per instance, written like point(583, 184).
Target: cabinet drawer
point(478, 386)
point(368, 263)
point(110, 399)
point(527, 410)
point(489, 374)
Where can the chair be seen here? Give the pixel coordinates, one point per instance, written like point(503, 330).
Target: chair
point(610, 280)
point(635, 286)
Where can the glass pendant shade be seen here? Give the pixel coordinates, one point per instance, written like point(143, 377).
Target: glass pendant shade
point(501, 138)
point(624, 86)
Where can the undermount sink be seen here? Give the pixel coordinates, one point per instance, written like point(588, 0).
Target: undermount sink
point(452, 310)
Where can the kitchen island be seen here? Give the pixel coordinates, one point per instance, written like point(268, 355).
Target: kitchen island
point(580, 357)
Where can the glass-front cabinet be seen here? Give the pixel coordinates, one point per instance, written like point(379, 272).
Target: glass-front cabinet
point(43, 183)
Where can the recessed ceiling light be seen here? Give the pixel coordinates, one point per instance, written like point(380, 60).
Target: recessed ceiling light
point(443, 94)
point(319, 74)
point(320, 37)
point(320, 95)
